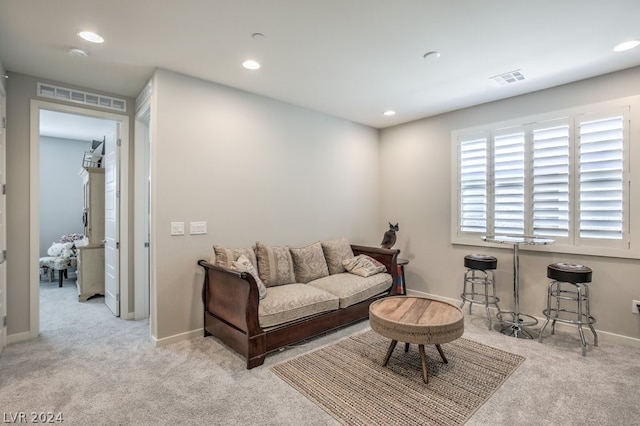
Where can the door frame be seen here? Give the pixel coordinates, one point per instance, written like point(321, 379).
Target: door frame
point(34, 214)
point(3, 224)
point(142, 212)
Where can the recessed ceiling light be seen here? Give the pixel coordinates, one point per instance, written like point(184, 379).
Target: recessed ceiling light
point(78, 52)
point(389, 113)
point(431, 55)
point(626, 45)
point(90, 37)
point(250, 64)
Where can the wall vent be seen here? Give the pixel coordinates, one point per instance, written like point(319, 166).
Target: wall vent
point(508, 77)
point(80, 97)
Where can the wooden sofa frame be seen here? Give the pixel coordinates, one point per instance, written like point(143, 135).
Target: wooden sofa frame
point(231, 298)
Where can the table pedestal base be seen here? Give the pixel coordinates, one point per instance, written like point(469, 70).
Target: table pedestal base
point(518, 325)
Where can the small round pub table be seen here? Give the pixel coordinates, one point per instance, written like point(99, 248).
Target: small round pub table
point(519, 324)
point(416, 320)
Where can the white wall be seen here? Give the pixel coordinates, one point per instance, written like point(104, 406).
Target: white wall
point(255, 170)
point(416, 189)
point(61, 201)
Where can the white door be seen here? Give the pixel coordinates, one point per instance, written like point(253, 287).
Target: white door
point(3, 221)
point(111, 224)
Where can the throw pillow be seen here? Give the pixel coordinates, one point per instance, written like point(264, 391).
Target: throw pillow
point(363, 265)
point(335, 251)
point(275, 265)
point(309, 263)
point(243, 264)
point(224, 257)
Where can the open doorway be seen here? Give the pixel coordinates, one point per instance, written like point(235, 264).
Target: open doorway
point(115, 131)
point(72, 208)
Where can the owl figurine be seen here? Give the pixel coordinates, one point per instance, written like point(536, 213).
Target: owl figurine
point(389, 238)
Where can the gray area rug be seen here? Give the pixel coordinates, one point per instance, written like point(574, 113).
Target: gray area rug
point(348, 381)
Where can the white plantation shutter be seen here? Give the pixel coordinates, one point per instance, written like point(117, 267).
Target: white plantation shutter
point(566, 178)
point(601, 178)
point(509, 182)
point(550, 180)
point(473, 166)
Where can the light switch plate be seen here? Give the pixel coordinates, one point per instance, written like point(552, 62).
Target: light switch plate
point(177, 228)
point(197, 228)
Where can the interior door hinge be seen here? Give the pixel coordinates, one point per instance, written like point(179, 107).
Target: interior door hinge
point(117, 297)
point(119, 142)
point(4, 122)
point(117, 245)
point(4, 256)
point(4, 321)
point(4, 189)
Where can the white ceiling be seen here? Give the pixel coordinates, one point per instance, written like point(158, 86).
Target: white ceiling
point(348, 58)
point(70, 126)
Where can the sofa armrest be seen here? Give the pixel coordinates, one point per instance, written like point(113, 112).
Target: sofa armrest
point(231, 296)
point(388, 257)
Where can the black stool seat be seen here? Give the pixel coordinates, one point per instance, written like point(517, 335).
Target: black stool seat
point(480, 274)
point(569, 273)
point(481, 262)
point(570, 285)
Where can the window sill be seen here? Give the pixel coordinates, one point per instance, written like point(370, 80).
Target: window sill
point(553, 248)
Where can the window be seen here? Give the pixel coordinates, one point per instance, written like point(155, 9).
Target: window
point(550, 168)
point(509, 182)
point(473, 183)
point(566, 178)
point(601, 178)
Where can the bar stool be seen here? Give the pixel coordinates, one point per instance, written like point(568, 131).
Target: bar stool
point(479, 272)
point(570, 284)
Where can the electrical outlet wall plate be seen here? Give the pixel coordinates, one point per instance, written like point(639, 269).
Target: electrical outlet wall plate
point(197, 228)
point(177, 228)
point(634, 307)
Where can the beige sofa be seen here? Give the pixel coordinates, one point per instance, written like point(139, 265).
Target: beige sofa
point(260, 299)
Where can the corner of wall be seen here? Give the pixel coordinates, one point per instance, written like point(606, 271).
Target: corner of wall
point(3, 78)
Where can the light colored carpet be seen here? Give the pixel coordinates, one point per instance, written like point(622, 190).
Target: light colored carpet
point(348, 380)
point(99, 370)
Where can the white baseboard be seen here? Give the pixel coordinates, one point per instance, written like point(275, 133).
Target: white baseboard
point(177, 337)
point(18, 337)
point(603, 336)
point(127, 315)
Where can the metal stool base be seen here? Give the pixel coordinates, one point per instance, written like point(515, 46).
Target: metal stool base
point(473, 277)
point(581, 314)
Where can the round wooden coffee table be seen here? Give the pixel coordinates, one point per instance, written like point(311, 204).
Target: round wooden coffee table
point(416, 320)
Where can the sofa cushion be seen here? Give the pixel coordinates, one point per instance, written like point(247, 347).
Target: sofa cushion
point(309, 263)
point(285, 303)
point(243, 264)
point(224, 256)
point(352, 289)
point(335, 251)
point(363, 265)
point(275, 265)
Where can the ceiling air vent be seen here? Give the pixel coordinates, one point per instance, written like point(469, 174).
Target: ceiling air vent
point(80, 97)
point(508, 78)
